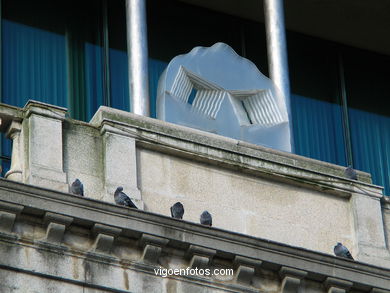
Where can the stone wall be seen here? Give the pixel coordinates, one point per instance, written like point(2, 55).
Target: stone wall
point(56, 242)
point(248, 189)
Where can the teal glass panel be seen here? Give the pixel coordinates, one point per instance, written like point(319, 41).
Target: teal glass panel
point(33, 65)
point(368, 88)
point(118, 60)
point(317, 129)
point(94, 78)
point(156, 68)
point(119, 79)
point(370, 134)
point(6, 151)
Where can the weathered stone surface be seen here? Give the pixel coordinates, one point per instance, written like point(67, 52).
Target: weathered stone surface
point(43, 136)
point(83, 151)
point(369, 229)
point(57, 218)
point(291, 279)
point(245, 274)
point(162, 132)
point(7, 221)
point(245, 204)
point(151, 254)
point(109, 230)
point(375, 290)
point(335, 285)
point(122, 268)
point(282, 197)
point(18, 152)
point(245, 269)
point(55, 233)
point(152, 239)
point(103, 243)
point(248, 189)
point(152, 247)
point(120, 165)
point(8, 214)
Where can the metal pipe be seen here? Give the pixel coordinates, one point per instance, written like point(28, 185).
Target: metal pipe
point(106, 58)
point(344, 105)
point(277, 51)
point(137, 48)
point(1, 54)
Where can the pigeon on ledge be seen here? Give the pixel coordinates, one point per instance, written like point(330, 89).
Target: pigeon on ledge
point(122, 199)
point(350, 173)
point(206, 219)
point(177, 210)
point(77, 188)
point(342, 251)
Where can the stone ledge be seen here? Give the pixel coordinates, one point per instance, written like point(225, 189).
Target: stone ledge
point(203, 146)
point(44, 109)
point(190, 134)
point(39, 201)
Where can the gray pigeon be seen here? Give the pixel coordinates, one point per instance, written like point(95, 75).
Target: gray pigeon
point(122, 199)
point(206, 219)
point(342, 251)
point(350, 173)
point(77, 188)
point(177, 210)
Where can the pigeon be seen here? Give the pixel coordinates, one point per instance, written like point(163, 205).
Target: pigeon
point(77, 188)
point(177, 210)
point(350, 173)
point(122, 199)
point(206, 219)
point(342, 251)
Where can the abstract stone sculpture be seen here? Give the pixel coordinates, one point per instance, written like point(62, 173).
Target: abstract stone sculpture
point(215, 90)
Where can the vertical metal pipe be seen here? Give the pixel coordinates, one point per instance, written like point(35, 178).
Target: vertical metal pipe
point(344, 105)
point(1, 54)
point(277, 50)
point(106, 57)
point(137, 48)
point(1, 82)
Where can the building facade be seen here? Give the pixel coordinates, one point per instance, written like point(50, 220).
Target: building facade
point(276, 215)
point(74, 55)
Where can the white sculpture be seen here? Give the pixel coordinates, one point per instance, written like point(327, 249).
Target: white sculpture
point(216, 90)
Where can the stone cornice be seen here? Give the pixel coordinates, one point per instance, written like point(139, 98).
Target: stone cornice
point(180, 235)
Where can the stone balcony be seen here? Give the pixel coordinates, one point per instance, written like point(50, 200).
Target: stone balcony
point(302, 207)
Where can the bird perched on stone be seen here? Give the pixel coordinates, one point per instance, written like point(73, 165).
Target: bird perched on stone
point(206, 219)
point(350, 173)
point(122, 199)
point(342, 251)
point(77, 188)
point(177, 210)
